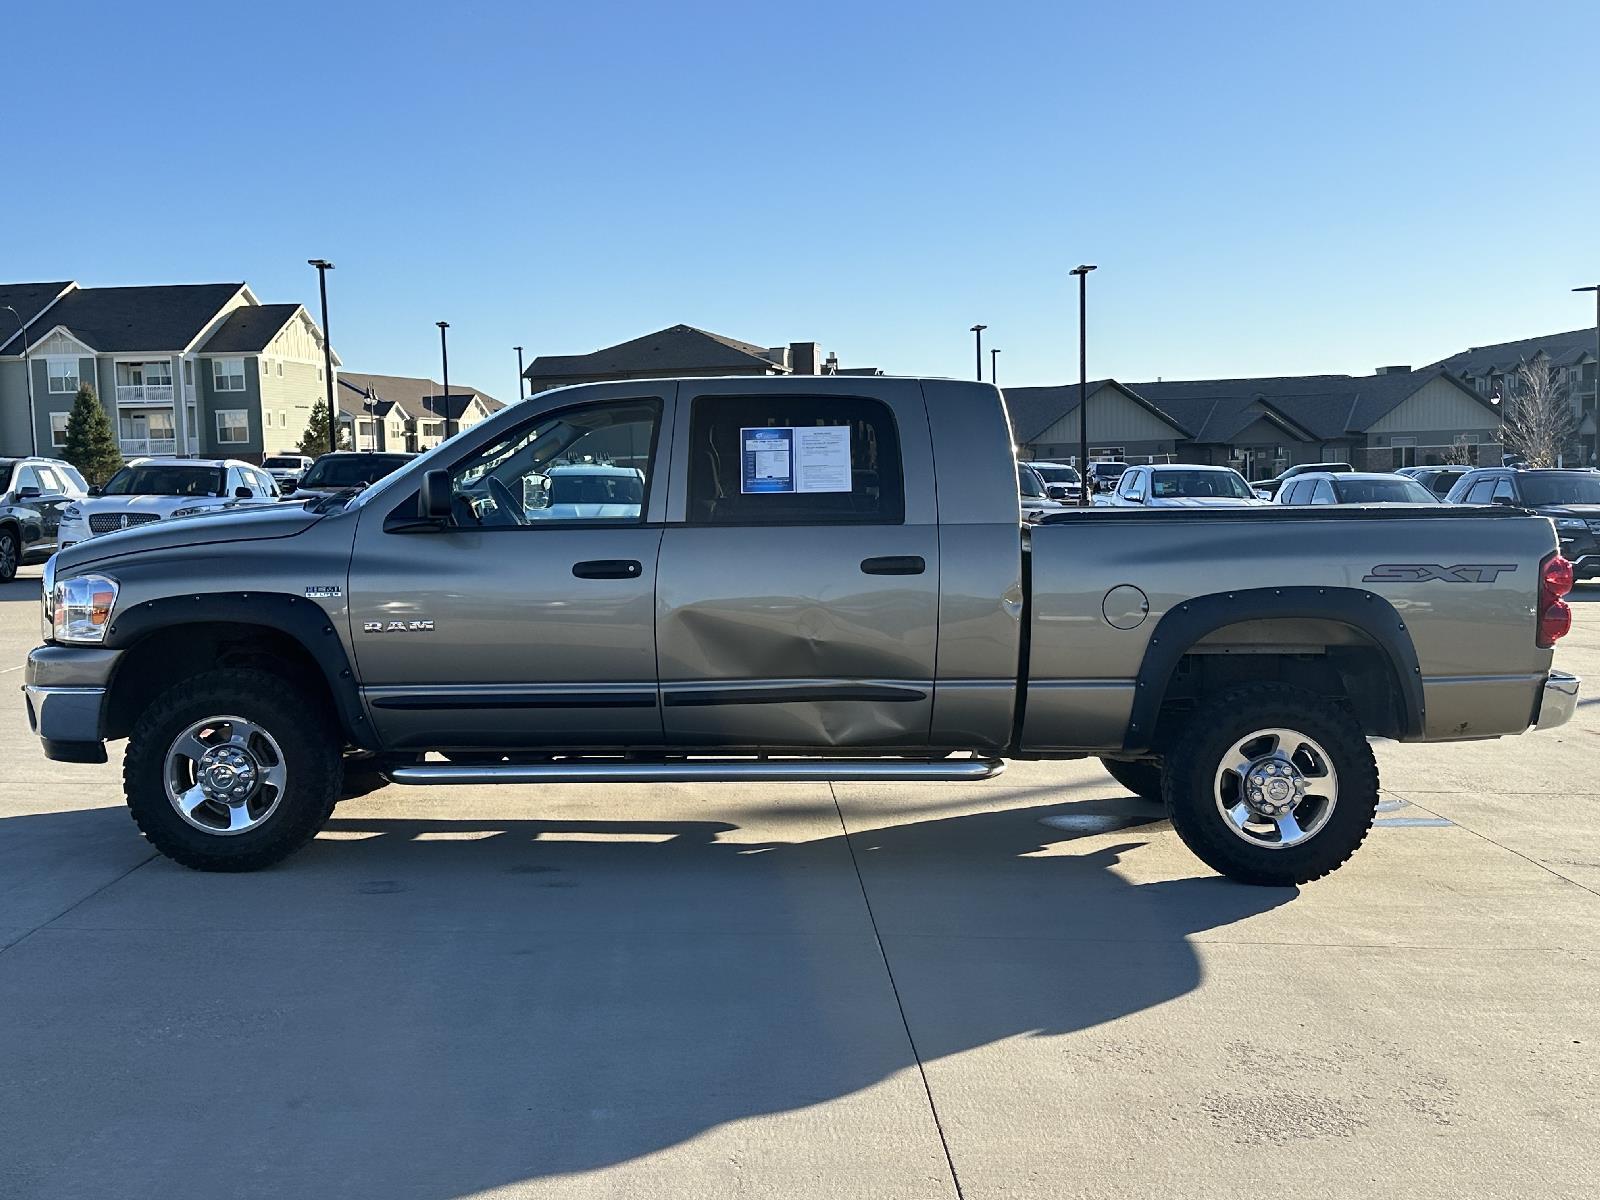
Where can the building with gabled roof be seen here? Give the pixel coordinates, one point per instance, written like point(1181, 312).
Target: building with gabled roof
point(1396, 417)
point(197, 369)
point(1571, 358)
point(378, 409)
point(681, 350)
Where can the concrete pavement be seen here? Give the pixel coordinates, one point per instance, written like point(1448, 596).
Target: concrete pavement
point(1024, 988)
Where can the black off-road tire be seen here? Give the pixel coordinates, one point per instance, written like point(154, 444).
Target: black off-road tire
point(1190, 778)
point(10, 553)
point(300, 724)
point(1143, 779)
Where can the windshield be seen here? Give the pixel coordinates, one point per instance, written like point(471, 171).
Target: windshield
point(351, 471)
point(596, 489)
point(1199, 483)
point(1108, 470)
point(1398, 490)
point(1052, 474)
point(1574, 487)
point(1029, 483)
point(280, 461)
point(149, 480)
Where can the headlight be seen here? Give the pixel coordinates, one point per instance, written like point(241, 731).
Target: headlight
point(80, 608)
point(1571, 524)
point(71, 513)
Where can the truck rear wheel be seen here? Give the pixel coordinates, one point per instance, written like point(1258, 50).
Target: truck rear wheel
point(1279, 789)
point(1141, 778)
point(231, 770)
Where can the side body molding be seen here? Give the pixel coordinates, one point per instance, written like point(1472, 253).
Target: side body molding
point(1188, 622)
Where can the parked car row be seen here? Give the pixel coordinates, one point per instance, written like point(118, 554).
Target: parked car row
point(45, 504)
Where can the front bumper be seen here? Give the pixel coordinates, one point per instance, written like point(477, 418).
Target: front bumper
point(1557, 701)
point(65, 690)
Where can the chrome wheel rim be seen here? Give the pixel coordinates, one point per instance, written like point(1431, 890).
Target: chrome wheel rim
point(225, 775)
point(1276, 788)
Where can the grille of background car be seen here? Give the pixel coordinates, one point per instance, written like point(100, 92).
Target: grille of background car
point(110, 522)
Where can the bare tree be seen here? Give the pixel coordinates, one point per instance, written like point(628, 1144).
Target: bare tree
point(1459, 453)
point(1539, 423)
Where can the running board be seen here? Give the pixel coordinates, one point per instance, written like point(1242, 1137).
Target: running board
point(797, 770)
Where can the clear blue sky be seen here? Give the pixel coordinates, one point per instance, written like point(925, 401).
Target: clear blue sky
point(1266, 187)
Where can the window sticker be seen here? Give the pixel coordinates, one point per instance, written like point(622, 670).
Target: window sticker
point(788, 459)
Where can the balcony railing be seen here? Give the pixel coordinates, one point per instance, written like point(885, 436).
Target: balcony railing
point(144, 393)
point(132, 447)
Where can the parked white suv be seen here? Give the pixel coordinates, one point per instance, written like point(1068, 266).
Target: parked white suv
point(287, 468)
point(155, 488)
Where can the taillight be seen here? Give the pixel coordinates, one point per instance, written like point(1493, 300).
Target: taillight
point(1555, 617)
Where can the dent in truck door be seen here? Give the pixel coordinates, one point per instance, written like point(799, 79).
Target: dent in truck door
point(798, 610)
point(529, 621)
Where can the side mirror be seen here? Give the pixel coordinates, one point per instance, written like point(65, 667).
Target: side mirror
point(1136, 497)
point(433, 502)
point(96, 490)
point(287, 485)
point(28, 493)
point(1506, 500)
point(243, 493)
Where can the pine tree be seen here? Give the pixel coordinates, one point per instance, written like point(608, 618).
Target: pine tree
point(91, 442)
point(314, 440)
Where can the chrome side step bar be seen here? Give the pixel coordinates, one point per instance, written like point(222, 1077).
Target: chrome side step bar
point(792, 770)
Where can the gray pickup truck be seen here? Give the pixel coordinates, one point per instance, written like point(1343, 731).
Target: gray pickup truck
point(784, 579)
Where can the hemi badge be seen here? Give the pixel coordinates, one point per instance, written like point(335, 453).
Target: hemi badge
point(324, 591)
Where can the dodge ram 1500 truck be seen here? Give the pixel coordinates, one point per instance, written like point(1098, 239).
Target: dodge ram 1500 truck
point(785, 579)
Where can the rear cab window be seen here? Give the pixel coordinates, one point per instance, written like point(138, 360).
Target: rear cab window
point(794, 460)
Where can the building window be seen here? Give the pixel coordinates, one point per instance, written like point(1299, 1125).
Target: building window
point(63, 373)
point(233, 425)
point(1405, 451)
point(227, 375)
point(280, 368)
point(58, 429)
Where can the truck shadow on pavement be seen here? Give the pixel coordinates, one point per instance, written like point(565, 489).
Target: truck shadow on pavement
point(434, 1008)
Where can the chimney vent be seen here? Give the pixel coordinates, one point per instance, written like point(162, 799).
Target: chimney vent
point(1402, 370)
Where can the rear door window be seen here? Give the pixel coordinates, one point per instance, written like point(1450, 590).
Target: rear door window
point(1481, 492)
point(1505, 490)
point(794, 460)
point(1324, 493)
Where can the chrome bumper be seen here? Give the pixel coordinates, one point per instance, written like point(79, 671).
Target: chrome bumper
point(64, 714)
point(65, 693)
point(1558, 701)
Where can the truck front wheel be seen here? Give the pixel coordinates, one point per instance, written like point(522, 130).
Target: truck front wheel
point(1279, 789)
point(231, 770)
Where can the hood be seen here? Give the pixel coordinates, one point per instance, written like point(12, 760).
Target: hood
point(234, 525)
point(1204, 502)
point(1591, 511)
point(163, 506)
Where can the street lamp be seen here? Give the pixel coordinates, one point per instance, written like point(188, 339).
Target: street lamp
point(522, 393)
point(1082, 272)
point(977, 331)
point(27, 371)
point(994, 377)
point(323, 266)
point(444, 356)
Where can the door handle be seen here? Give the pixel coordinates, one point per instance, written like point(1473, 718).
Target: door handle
point(894, 564)
point(608, 568)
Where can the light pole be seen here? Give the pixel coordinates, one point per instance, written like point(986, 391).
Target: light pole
point(994, 376)
point(444, 356)
point(1595, 288)
point(323, 266)
point(977, 331)
point(27, 371)
point(1082, 272)
point(522, 393)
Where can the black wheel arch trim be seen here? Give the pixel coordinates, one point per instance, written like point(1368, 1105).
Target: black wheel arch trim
point(295, 616)
point(1186, 623)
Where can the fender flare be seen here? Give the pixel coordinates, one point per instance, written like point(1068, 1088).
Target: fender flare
point(301, 619)
point(1186, 623)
